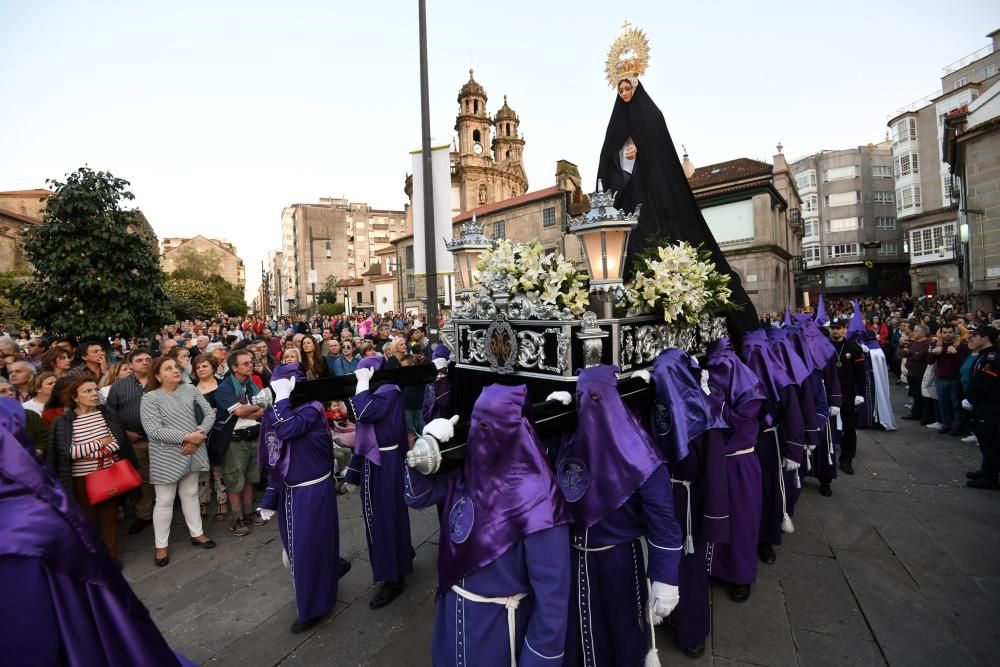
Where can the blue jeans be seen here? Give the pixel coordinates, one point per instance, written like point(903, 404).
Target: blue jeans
point(414, 421)
point(950, 401)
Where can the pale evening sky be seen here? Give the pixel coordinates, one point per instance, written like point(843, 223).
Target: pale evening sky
point(222, 113)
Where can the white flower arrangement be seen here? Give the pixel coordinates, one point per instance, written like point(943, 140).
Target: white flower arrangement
point(545, 280)
point(680, 282)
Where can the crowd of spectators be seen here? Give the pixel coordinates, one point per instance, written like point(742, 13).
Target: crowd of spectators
point(926, 341)
point(178, 405)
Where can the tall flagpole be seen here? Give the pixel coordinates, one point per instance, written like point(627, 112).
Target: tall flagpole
point(429, 238)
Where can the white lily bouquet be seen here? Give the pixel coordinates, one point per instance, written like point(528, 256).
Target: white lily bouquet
point(547, 281)
point(680, 282)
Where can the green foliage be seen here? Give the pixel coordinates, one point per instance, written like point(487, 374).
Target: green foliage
point(194, 263)
point(203, 297)
point(329, 292)
point(331, 309)
point(10, 306)
point(94, 271)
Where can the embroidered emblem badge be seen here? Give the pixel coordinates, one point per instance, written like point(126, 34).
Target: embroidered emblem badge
point(573, 477)
point(460, 520)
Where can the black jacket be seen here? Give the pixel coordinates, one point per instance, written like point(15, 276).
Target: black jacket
point(61, 441)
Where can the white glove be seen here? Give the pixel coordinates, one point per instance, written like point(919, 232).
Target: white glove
point(282, 388)
point(789, 465)
point(441, 429)
point(266, 515)
point(364, 376)
point(858, 400)
point(440, 364)
point(563, 397)
point(644, 375)
point(662, 600)
point(966, 405)
point(834, 411)
point(351, 488)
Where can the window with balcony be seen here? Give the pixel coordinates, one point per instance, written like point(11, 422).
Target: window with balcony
point(906, 164)
point(842, 173)
point(807, 179)
point(810, 228)
point(908, 197)
point(842, 199)
point(843, 224)
point(933, 240)
point(889, 248)
point(949, 190)
point(960, 82)
point(810, 254)
point(904, 130)
point(990, 70)
point(880, 197)
point(810, 203)
point(843, 250)
point(549, 217)
point(879, 171)
point(882, 222)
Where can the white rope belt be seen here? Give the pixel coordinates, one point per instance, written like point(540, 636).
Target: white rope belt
point(389, 448)
point(748, 450)
point(310, 482)
point(773, 429)
point(786, 521)
point(589, 549)
point(511, 602)
point(689, 540)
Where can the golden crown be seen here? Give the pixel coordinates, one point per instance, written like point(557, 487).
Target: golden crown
point(628, 56)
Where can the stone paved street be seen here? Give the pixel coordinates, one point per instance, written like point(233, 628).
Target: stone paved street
point(901, 566)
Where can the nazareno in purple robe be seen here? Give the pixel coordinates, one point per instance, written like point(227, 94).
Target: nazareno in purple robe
point(698, 481)
point(65, 600)
point(617, 489)
point(296, 450)
point(782, 410)
point(380, 446)
point(817, 353)
point(742, 400)
point(504, 537)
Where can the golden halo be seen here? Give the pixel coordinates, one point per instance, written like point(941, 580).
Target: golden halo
point(628, 56)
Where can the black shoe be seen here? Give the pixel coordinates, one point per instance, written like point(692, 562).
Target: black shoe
point(766, 553)
point(308, 625)
point(139, 525)
point(825, 490)
point(975, 474)
point(739, 592)
point(695, 651)
point(983, 483)
point(161, 562)
point(847, 468)
point(390, 591)
point(207, 544)
point(345, 567)
point(944, 430)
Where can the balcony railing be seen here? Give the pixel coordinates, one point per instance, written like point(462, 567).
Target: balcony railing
point(967, 60)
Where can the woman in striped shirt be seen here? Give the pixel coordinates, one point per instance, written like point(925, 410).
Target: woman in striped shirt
point(81, 435)
point(177, 451)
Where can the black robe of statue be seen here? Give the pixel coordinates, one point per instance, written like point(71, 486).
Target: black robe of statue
point(658, 182)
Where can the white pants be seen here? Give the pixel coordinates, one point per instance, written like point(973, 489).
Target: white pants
point(163, 510)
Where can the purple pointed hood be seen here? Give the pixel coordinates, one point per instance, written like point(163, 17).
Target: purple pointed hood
point(788, 317)
point(365, 437)
point(784, 349)
point(756, 353)
point(822, 319)
point(441, 351)
point(681, 410)
point(506, 491)
point(375, 363)
point(815, 348)
point(609, 456)
point(735, 385)
point(273, 453)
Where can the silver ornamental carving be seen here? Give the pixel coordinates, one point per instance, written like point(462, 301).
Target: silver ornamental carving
point(531, 350)
point(592, 337)
point(523, 308)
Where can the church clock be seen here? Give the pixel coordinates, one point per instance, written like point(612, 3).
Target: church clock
point(477, 148)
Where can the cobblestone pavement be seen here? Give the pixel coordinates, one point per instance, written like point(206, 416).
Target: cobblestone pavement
point(901, 566)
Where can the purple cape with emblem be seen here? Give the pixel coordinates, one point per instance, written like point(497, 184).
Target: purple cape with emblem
point(65, 600)
point(272, 453)
point(506, 491)
point(610, 456)
point(681, 411)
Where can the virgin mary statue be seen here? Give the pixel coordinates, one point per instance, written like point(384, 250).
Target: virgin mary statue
point(639, 163)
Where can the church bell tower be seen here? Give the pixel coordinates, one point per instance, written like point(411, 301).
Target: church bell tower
point(473, 124)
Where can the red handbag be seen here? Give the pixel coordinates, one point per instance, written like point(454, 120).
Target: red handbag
point(113, 479)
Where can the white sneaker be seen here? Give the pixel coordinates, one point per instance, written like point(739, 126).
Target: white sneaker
point(935, 425)
point(971, 439)
point(908, 405)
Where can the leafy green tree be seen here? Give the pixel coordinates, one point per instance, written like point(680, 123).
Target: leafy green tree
point(194, 263)
point(329, 292)
point(94, 271)
point(331, 309)
point(192, 299)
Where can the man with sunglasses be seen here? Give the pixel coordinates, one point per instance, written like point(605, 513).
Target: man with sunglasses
point(984, 401)
point(34, 350)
